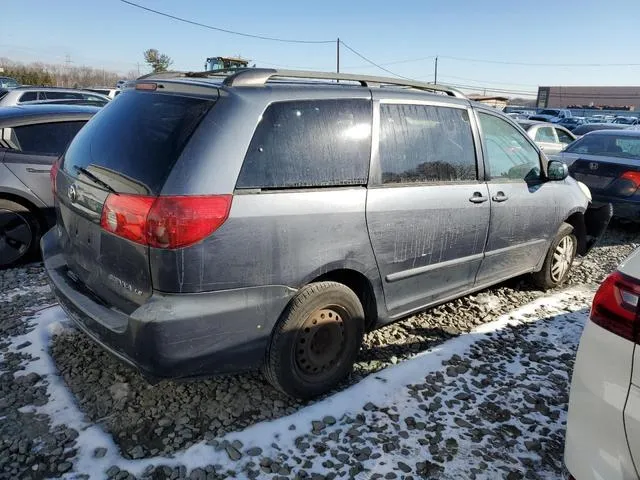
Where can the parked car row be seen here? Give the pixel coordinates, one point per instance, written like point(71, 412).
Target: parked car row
point(550, 137)
point(565, 118)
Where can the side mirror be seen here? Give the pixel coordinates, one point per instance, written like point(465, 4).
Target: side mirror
point(557, 170)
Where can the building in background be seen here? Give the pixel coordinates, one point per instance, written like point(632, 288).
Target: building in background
point(597, 98)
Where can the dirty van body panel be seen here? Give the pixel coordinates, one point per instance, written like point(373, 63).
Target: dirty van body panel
point(428, 241)
point(521, 230)
point(284, 238)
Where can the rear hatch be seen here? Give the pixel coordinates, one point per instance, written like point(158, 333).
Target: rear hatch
point(603, 175)
point(107, 182)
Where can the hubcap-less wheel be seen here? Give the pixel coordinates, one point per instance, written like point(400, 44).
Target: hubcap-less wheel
point(320, 344)
point(562, 258)
point(15, 236)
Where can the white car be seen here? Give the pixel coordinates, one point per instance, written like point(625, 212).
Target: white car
point(603, 428)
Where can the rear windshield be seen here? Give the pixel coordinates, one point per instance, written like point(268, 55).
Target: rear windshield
point(623, 146)
point(133, 143)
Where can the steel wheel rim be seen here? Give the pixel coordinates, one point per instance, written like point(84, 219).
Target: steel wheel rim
point(15, 236)
point(562, 258)
point(320, 344)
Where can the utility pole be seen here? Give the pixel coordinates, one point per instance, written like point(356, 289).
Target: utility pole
point(338, 57)
point(435, 76)
point(138, 64)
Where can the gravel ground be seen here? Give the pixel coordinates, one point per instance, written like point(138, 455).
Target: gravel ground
point(166, 418)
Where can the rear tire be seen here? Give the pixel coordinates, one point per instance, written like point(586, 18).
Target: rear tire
point(557, 264)
point(316, 341)
point(19, 233)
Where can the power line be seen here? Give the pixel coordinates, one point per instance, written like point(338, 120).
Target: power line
point(503, 62)
point(210, 27)
point(397, 62)
point(372, 62)
point(491, 82)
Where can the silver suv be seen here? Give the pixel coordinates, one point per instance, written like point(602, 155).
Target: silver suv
point(27, 95)
point(32, 137)
point(268, 219)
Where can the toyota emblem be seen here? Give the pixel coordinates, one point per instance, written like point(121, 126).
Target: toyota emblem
point(72, 193)
point(593, 165)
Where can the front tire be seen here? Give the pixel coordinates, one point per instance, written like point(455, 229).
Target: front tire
point(316, 341)
point(19, 233)
point(559, 259)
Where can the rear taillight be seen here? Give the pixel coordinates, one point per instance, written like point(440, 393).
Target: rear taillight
point(628, 183)
point(615, 306)
point(53, 175)
point(164, 222)
point(632, 176)
point(175, 222)
point(126, 216)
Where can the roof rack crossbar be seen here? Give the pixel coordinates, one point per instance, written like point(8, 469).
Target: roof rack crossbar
point(252, 77)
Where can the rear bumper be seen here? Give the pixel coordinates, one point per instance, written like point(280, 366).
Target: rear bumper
point(596, 446)
point(174, 335)
point(628, 209)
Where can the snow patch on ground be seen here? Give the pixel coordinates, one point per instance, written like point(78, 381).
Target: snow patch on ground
point(389, 388)
point(9, 295)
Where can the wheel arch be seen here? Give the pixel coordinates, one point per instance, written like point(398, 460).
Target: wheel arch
point(576, 220)
point(368, 291)
point(32, 204)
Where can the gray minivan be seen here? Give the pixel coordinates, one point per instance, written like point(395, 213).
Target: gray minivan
point(268, 219)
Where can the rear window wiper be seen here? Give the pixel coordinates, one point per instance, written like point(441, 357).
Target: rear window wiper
point(95, 179)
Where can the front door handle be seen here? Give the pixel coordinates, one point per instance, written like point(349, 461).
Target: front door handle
point(500, 197)
point(477, 197)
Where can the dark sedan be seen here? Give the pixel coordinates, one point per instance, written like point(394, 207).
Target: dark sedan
point(592, 127)
point(608, 162)
point(571, 122)
point(31, 138)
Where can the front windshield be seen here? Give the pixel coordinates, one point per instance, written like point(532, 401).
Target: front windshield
point(549, 112)
point(622, 146)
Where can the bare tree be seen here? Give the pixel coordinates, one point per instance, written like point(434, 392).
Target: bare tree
point(39, 73)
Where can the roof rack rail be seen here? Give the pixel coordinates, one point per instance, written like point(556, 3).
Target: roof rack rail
point(251, 77)
point(260, 76)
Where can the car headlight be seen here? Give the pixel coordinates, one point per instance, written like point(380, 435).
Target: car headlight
point(585, 190)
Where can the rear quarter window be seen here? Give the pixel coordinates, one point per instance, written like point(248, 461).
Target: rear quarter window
point(46, 138)
point(28, 97)
point(314, 143)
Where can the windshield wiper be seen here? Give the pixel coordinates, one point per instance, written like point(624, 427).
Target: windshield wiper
point(95, 179)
